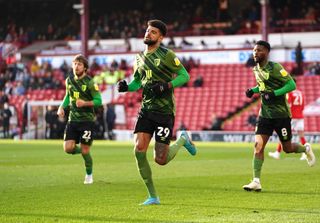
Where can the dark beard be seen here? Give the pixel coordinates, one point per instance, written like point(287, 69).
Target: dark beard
point(149, 42)
point(257, 60)
point(79, 74)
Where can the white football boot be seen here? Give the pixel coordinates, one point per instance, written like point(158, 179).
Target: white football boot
point(303, 156)
point(275, 155)
point(311, 159)
point(253, 186)
point(88, 179)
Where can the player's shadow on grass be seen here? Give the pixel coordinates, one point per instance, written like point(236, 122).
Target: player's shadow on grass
point(288, 193)
point(236, 189)
point(86, 218)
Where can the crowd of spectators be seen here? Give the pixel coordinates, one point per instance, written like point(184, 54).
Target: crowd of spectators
point(23, 22)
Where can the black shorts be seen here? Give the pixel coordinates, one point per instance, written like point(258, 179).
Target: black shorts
point(80, 132)
point(151, 122)
point(282, 126)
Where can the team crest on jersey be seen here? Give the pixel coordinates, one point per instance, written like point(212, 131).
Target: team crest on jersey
point(283, 72)
point(177, 61)
point(83, 87)
point(157, 62)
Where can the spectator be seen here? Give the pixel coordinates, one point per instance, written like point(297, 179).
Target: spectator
point(3, 80)
point(216, 123)
point(57, 84)
point(299, 59)
point(35, 68)
point(182, 126)
point(203, 44)
point(313, 69)
point(3, 98)
point(51, 123)
point(110, 119)
point(252, 119)
point(65, 68)
point(95, 68)
point(247, 44)
point(6, 114)
point(61, 124)
point(250, 62)
point(198, 82)
point(123, 65)
point(20, 89)
point(185, 44)
point(25, 115)
point(171, 43)
point(8, 88)
point(33, 84)
point(220, 45)
point(223, 10)
point(97, 46)
point(127, 44)
point(114, 65)
point(99, 124)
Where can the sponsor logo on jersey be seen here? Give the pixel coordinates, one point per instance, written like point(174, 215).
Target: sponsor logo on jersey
point(283, 72)
point(83, 87)
point(157, 62)
point(76, 94)
point(177, 61)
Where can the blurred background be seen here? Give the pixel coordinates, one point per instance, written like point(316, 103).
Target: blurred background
point(212, 38)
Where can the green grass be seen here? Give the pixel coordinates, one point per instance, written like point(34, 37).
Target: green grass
point(40, 183)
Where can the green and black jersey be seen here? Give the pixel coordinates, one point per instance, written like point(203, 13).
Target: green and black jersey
point(151, 67)
point(270, 78)
point(84, 89)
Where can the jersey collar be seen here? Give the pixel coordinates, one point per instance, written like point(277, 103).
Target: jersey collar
point(79, 78)
point(151, 51)
point(259, 67)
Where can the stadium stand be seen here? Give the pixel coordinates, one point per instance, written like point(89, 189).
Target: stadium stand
point(26, 21)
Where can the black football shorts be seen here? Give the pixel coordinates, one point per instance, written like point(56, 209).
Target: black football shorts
point(282, 126)
point(152, 122)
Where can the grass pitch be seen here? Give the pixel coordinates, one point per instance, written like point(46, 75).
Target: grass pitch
point(40, 183)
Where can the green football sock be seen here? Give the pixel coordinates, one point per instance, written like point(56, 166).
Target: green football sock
point(76, 150)
point(145, 172)
point(88, 163)
point(174, 148)
point(257, 165)
point(299, 148)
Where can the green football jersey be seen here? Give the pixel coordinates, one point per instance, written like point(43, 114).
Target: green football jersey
point(84, 89)
point(152, 67)
point(269, 78)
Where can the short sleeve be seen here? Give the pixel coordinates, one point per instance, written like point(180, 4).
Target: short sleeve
point(173, 62)
point(94, 88)
point(281, 73)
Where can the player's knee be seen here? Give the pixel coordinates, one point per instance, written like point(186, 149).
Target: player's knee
point(68, 148)
point(138, 147)
point(85, 149)
point(160, 161)
point(258, 147)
